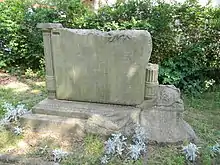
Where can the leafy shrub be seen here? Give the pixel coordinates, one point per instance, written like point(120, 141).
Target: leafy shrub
point(185, 36)
point(197, 60)
point(21, 41)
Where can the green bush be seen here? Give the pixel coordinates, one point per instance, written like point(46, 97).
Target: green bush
point(185, 36)
point(11, 19)
point(21, 41)
point(197, 62)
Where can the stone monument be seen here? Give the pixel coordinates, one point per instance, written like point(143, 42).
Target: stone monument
point(102, 82)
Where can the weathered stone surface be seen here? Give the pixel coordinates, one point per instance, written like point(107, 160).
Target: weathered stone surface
point(110, 86)
point(163, 124)
point(168, 99)
point(101, 125)
point(55, 124)
point(166, 126)
point(163, 116)
point(152, 73)
point(49, 25)
point(105, 67)
point(75, 109)
point(151, 81)
point(100, 118)
point(50, 76)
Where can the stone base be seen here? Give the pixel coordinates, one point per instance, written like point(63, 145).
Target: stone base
point(163, 123)
point(57, 125)
point(103, 119)
point(163, 126)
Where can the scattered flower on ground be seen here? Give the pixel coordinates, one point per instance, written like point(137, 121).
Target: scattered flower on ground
point(12, 113)
point(190, 151)
point(18, 130)
point(116, 144)
point(104, 159)
point(59, 154)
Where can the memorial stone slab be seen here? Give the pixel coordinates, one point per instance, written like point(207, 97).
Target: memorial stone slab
point(102, 83)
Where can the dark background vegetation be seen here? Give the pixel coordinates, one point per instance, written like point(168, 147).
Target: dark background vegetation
point(186, 37)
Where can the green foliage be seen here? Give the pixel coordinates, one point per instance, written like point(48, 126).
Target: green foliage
point(185, 36)
point(18, 33)
point(197, 61)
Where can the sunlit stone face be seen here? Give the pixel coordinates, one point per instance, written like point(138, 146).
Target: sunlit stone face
point(106, 67)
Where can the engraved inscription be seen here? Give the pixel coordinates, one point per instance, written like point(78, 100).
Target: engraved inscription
point(118, 37)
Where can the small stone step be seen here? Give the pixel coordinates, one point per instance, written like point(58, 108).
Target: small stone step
point(48, 123)
point(81, 110)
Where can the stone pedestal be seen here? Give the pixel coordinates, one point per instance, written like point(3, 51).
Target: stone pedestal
point(163, 117)
point(162, 120)
point(101, 82)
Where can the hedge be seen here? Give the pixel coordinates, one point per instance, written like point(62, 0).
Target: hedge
point(186, 37)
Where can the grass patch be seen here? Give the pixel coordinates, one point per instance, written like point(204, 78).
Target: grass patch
point(203, 113)
point(29, 97)
point(88, 152)
point(167, 155)
point(10, 94)
point(8, 140)
point(43, 149)
point(93, 145)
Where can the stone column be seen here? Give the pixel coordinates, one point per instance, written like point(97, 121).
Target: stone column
point(151, 81)
point(48, 53)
